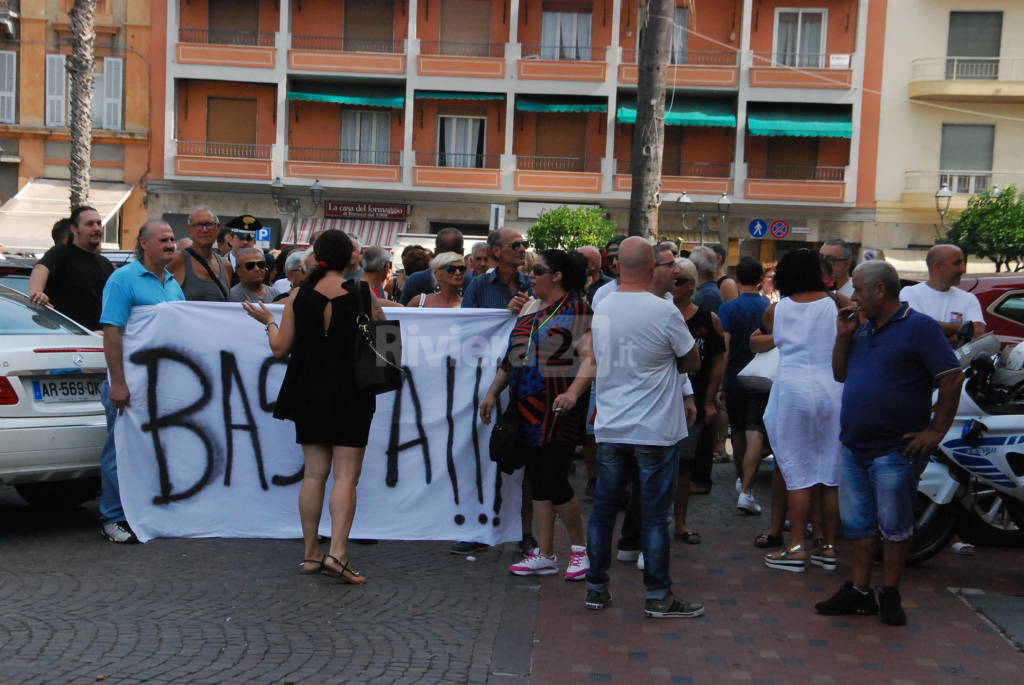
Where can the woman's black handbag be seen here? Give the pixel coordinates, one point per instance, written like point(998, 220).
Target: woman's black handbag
point(506, 440)
point(378, 349)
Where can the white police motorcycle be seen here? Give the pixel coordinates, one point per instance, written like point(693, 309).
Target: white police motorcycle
point(974, 483)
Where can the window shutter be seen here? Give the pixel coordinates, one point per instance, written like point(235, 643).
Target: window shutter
point(56, 88)
point(113, 87)
point(8, 85)
point(97, 100)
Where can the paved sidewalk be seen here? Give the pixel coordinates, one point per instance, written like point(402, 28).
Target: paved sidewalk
point(760, 626)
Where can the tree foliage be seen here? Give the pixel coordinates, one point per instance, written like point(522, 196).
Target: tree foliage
point(992, 226)
point(567, 229)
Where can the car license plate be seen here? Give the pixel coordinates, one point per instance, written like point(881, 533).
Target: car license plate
point(67, 389)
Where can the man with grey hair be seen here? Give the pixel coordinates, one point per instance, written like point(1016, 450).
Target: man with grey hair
point(890, 366)
point(145, 281)
point(203, 274)
point(707, 296)
point(939, 298)
point(477, 262)
point(376, 268)
point(252, 267)
point(595, 275)
point(294, 271)
point(837, 264)
point(448, 239)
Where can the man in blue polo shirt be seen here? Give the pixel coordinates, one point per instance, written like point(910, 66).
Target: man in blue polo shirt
point(142, 282)
point(504, 287)
point(890, 366)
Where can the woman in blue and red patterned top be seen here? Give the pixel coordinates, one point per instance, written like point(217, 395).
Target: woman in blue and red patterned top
point(550, 366)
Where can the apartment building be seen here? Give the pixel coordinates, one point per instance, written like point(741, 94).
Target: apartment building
point(34, 113)
point(951, 113)
point(418, 114)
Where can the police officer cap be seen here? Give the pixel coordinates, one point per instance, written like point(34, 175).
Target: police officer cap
point(245, 224)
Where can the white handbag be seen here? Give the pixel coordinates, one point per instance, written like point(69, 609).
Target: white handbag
point(759, 374)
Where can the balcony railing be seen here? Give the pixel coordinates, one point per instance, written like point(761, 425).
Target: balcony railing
point(798, 60)
point(796, 173)
point(582, 164)
point(458, 160)
point(341, 156)
point(448, 48)
point(225, 37)
point(340, 44)
point(565, 53)
point(677, 168)
point(967, 68)
point(203, 148)
point(688, 58)
point(960, 182)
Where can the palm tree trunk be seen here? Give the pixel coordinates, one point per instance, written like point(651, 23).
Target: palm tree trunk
point(80, 66)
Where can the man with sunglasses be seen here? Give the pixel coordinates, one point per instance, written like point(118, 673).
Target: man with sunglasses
point(611, 256)
point(252, 267)
point(203, 274)
point(837, 265)
point(505, 287)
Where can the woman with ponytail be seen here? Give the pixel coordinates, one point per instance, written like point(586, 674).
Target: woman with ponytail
point(332, 419)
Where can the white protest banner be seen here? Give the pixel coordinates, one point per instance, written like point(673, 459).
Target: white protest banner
point(199, 453)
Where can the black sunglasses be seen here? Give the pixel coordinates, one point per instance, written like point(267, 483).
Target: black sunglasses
point(517, 244)
point(683, 281)
point(452, 268)
point(540, 270)
point(249, 266)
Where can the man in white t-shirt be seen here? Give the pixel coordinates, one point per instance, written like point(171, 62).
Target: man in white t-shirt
point(643, 350)
point(939, 298)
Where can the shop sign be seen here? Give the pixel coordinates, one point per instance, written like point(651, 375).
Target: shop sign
point(365, 210)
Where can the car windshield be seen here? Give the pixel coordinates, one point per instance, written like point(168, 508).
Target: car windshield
point(20, 316)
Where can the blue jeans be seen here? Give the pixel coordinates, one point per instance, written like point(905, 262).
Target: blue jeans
point(658, 467)
point(110, 495)
point(877, 495)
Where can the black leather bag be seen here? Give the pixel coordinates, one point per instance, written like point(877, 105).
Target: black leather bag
point(377, 360)
point(506, 444)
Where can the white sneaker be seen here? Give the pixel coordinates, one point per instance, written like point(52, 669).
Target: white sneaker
point(627, 554)
point(118, 531)
point(579, 564)
point(748, 504)
point(640, 562)
point(739, 485)
point(535, 564)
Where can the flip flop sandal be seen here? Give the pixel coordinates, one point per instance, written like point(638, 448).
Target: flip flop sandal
point(781, 560)
point(303, 571)
point(825, 562)
point(767, 540)
point(690, 537)
point(345, 574)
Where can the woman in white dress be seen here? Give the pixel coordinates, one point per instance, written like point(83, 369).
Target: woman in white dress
point(802, 417)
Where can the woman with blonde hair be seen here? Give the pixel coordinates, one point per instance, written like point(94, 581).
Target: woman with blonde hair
point(449, 269)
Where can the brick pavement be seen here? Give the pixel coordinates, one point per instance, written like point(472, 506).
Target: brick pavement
point(760, 626)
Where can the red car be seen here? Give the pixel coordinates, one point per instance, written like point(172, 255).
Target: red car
point(1002, 301)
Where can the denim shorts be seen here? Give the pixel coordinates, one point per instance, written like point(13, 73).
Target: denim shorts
point(877, 495)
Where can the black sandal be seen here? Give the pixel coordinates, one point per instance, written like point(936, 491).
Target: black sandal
point(345, 574)
point(303, 571)
point(766, 540)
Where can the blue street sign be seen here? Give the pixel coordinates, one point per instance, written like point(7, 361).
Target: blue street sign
point(758, 228)
point(263, 238)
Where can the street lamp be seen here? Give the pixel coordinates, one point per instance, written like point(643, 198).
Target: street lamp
point(292, 206)
point(686, 205)
point(943, 197)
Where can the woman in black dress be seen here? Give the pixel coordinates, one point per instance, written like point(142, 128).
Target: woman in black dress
point(332, 419)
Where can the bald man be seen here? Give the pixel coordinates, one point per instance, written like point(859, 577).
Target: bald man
point(939, 298)
point(595, 275)
point(643, 349)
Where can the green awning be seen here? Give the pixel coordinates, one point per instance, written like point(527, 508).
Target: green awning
point(560, 104)
point(454, 95)
point(349, 94)
point(686, 112)
point(801, 121)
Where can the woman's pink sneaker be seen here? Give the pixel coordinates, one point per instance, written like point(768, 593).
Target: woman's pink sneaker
point(579, 564)
point(535, 564)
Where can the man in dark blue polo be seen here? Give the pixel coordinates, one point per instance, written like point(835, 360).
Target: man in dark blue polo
point(890, 365)
point(505, 287)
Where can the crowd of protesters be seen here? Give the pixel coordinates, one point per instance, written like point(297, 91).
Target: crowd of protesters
point(658, 339)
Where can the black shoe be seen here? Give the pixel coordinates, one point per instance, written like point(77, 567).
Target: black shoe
point(672, 607)
point(598, 599)
point(891, 613)
point(849, 600)
point(527, 544)
point(118, 531)
point(467, 547)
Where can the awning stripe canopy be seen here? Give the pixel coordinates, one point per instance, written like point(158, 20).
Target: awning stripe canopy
point(686, 112)
point(26, 219)
point(800, 121)
point(349, 94)
point(560, 104)
point(370, 231)
point(456, 95)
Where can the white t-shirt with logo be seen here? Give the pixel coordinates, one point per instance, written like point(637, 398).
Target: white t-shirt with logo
point(637, 338)
point(953, 306)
